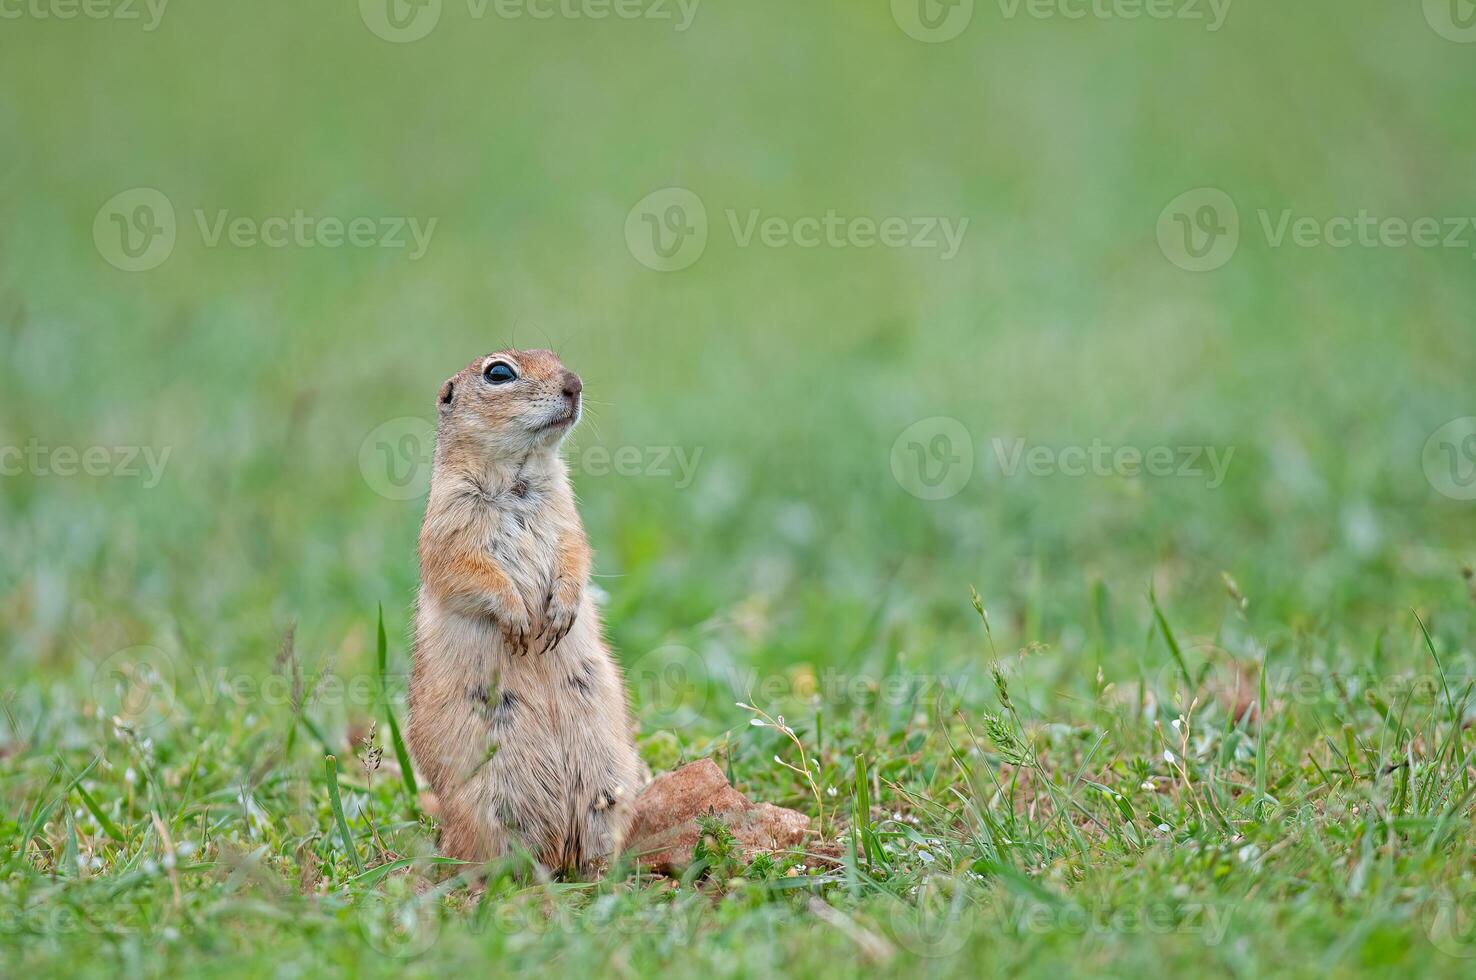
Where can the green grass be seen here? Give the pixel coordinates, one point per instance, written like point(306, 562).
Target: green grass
point(1192, 726)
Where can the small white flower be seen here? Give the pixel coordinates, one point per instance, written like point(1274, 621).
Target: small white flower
point(129, 776)
point(1164, 828)
point(1147, 784)
point(1168, 757)
point(756, 722)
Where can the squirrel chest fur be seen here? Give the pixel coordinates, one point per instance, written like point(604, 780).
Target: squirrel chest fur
point(518, 712)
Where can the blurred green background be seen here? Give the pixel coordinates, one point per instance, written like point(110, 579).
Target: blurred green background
point(791, 370)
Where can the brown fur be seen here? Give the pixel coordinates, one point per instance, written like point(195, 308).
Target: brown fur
point(518, 713)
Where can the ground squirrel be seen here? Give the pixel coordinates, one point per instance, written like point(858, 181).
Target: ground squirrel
point(518, 712)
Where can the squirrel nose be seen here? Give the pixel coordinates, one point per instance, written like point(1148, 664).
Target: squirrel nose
point(572, 385)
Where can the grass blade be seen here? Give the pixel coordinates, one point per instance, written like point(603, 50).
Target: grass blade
point(103, 820)
point(402, 755)
point(1168, 637)
point(330, 769)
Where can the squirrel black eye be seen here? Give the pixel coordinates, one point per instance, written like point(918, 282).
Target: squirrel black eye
point(499, 373)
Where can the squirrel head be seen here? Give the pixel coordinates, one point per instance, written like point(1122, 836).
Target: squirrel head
point(510, 403)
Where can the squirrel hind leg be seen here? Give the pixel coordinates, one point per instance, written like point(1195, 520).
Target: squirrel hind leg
point(466, 834)
point(602, 830)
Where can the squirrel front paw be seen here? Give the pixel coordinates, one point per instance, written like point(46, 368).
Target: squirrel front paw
point(516, 629)
point(560, 611)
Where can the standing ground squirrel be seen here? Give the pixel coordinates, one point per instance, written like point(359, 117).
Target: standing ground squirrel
point(518, 713)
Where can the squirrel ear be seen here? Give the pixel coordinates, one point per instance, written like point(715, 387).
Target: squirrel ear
point(447, 391)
